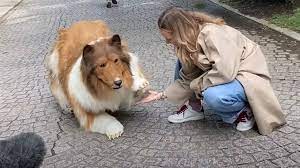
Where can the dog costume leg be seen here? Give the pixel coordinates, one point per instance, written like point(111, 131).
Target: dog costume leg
point(58, 93)
point(55, 86)
point(107, 124)
point(139, 81)
point(102, 123)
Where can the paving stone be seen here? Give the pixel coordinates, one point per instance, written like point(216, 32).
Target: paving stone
point(242, 142)
point(233, 151)
point(284, 162)
point(266, 164)
point(243, 159)
point(267, 145)
point(279, 152)
point(251, 148)
point(260, 156)
point(295, 157)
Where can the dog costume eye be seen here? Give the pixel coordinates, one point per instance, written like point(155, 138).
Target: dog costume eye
point(116, 60)
point(102, 65)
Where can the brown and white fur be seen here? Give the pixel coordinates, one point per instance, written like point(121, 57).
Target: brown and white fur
point(92, 72)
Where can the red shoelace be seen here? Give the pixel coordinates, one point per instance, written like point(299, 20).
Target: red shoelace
point(243, 117)
point(182, 109)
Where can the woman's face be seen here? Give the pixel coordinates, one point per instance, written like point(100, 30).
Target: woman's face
point(168, 36)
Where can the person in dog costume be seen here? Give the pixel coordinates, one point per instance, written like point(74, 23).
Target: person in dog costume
point(218, 69)
point(110, 3)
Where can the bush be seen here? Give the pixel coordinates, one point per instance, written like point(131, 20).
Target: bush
point(290, 2)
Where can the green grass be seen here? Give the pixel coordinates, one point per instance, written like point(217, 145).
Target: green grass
point(288, 21)
point(199, 5)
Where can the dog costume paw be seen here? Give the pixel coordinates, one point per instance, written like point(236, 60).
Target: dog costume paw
point(114, 130)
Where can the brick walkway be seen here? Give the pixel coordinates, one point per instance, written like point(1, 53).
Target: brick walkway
point(149, 140)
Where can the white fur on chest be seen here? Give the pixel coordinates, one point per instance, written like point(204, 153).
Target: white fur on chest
point(78, 90)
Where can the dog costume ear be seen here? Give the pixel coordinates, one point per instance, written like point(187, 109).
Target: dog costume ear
point(87, 54)
point(116, 41)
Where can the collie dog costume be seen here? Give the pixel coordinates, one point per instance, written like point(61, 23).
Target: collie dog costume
point(91, 71)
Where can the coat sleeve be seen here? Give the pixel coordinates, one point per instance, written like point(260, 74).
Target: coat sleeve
point(179, 91)
point(224, 55)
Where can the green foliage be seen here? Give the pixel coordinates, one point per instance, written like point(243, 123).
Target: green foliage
point(289, 2)
point(291, 21)
point(199, 5)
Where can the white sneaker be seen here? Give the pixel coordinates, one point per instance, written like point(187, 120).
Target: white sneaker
point(245, 120)
point(186, 113)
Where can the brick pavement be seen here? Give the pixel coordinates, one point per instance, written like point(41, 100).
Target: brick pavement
point(149, 140)
point(7, 6)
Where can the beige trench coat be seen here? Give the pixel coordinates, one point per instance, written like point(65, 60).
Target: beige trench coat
point(229, 55)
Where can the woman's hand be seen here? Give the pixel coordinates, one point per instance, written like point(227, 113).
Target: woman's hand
point(153, 95)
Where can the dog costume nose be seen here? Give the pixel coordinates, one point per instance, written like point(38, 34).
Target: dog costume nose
point(118, 82)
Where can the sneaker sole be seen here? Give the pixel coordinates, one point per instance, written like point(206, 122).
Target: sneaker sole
point(246, 129)
point(187, 119)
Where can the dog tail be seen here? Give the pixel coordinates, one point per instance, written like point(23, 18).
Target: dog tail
point(26, 150)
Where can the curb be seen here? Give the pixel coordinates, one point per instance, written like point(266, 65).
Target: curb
point(285, 31)
point(4, 15)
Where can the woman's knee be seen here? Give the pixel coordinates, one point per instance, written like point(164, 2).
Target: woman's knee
point(212, 98)
point(217, 100)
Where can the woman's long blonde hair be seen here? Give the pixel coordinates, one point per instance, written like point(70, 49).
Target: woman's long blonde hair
point(185, 27)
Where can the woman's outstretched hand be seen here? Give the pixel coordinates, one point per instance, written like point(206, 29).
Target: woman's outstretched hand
point(153, 95)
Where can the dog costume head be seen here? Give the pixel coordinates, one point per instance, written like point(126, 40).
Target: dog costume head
point(106, 61)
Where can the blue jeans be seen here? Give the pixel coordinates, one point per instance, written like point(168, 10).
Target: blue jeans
point(177, 69)
point(225, 100)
